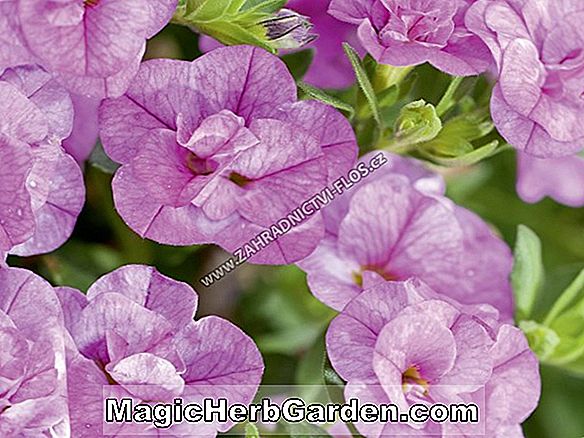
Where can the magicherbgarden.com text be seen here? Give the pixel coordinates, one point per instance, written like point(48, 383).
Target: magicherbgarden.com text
point(291, 410)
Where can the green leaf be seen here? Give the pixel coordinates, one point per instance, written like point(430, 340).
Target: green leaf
point(441, 147)
point(574, 293)
point(468, 126)
point(251, 431)
point(79, 264)
point(211, 10)
point(387, 76)
point(528, 272)
point(453, 145)
point(566, 318)
point(309, 374)
point(407, 85)
point(235, 6)
point(265, 6)
point(334, 384)
point(569, 355)
point(370, 66)
point(569, 351)
point(321, 96)
point(290, 339)
point(233, 34)
point(336, 387)
point(232, 22)
point(331, 377)
point(308, 371)
point(193, 5)
point(364, 82)
point(299, 62)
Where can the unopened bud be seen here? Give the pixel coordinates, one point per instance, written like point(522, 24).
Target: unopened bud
point(418, 122)
point(289, 30)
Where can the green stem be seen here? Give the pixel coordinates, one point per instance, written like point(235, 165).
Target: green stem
point(354, 432)
point(180, 21)
point(396, 146)
point(447, 102)
point(133, 248)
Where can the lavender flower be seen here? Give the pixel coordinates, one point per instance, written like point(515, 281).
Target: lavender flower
point(218, 149)
point(399, 225)
point(401, 343)
point(411, 32)
point(32, 372)
point(93, 47)
point(42, 187)
point(129, 335)
point(537, 104)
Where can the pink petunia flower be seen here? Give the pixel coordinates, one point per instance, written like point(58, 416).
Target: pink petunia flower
point(216, 150)
point(562, 179)
point(401, 343)
point(537, 45)
point(411, 32)
point(32, 358)
point(42, 189)
point(130, 339)
point(330, 67)
point(399, 225)
point(93, 47)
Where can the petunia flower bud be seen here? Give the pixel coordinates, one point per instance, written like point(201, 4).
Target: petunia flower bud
point(289, 30)
point(417, 122)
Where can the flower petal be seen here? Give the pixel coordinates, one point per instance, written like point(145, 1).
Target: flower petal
point(330, 276)
point(151, 219)
point(147, 377)
point(139, 327)
point(392, 227)
point(525, 134)
point(415, 340)
point(352, 335)
point(62, 195)
point(514, 390)
point(147, 287)
point(16, 217)
point(42, 90)
point(562, 179)
point(219, 357)
point(333, 132)
point(74, 38)
point(85, 132)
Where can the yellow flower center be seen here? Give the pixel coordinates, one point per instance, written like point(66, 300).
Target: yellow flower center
point(358, 276)
point(412, 377)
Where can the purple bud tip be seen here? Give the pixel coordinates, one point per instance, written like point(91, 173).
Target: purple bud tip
point(289, 30)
